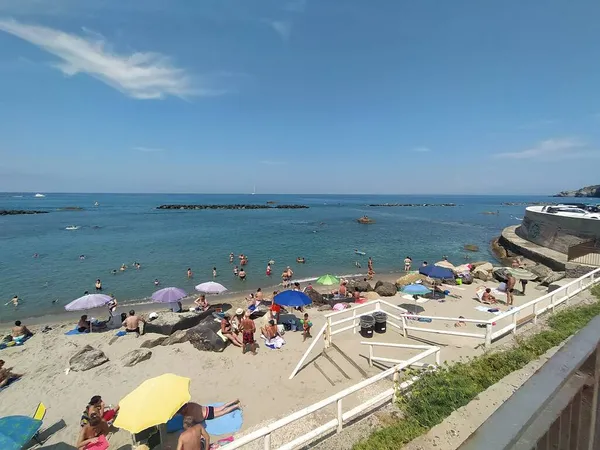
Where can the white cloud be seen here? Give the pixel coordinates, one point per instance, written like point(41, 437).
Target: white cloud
point(149, 149)
point(421, 149)
point(142, 75)
point(553, 149)
point(282, 28)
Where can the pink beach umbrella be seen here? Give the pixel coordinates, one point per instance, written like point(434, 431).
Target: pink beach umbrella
point(168, 295)
point(89, 301)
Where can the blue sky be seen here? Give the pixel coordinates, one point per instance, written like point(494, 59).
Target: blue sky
point(311, 96)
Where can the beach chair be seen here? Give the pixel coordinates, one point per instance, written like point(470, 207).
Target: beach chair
point(39, 414)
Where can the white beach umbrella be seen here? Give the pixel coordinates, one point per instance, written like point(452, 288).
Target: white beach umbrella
point(210, 287)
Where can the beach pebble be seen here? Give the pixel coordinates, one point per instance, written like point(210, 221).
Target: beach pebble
point(136, 356)
point(87, 358)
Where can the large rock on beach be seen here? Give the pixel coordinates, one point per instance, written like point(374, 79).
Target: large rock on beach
point(482, 274)
point(361, 285)
point(478, 263)
point(151, 343)
point(552, 278)
point(87, 358)
point(541, 271)
point(487, 266)
point(136, 356)
point(498, 249)
point(203, 336)
point(386, 289)
point(168, 322)
point(315, 296)
point(500, 274)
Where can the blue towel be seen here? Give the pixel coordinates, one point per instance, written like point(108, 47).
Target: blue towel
point(227, 424)
point(120, 333)
point(75, 331)
point(10, 381)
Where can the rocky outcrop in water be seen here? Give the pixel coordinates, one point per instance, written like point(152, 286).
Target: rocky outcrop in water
point(237, 206)
point(527, 203)
point(411, 204)
point(16, 212)
point(588, 191)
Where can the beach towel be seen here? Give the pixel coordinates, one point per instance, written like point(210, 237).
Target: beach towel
point(75, 331)
point(221, 443)
point(275, 343)
point(487, 309)
point(121, 333)
point(102, 444)
point(227, 424)
point(10, 381)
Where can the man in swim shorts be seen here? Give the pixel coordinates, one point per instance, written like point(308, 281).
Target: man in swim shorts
point(132, 323)
point(248, 329)
point(200, 413)
point(194, 436)
point(20, 331)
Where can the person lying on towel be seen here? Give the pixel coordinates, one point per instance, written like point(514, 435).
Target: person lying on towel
point(201, 413)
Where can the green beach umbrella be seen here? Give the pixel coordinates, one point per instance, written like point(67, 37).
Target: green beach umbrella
point(327, 280)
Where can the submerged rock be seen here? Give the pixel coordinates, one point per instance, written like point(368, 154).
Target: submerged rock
point(87, 358)
point(471, 247)
point(16, 212)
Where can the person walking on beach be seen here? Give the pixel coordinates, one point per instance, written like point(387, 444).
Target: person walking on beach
point(407, 263)
point(189, 273)
point(306, 326)
point(510, 289)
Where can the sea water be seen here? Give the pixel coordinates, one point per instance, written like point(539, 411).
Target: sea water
point(127, 228)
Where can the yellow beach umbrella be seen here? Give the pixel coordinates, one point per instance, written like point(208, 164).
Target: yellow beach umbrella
point(153, 402)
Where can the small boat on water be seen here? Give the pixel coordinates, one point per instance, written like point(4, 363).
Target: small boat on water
point(39, 195)
point(72, 227)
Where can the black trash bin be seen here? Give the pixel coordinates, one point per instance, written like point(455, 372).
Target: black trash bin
point(367, 324)
point(380, 321)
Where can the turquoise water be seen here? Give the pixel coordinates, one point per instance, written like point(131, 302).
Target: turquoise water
point(125, 228)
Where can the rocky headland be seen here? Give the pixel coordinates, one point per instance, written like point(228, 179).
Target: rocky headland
point(16, 212)
point(588, 191)
point(411, 204)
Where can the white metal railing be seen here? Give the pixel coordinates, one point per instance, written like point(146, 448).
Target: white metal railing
point(372, 356)
point(341, 417)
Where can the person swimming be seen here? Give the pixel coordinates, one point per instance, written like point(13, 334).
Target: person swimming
point(156, 282)
point(114, 271)
point(81, 257)
point(123, 268)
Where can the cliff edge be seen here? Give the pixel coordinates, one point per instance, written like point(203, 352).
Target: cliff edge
point(588, 191)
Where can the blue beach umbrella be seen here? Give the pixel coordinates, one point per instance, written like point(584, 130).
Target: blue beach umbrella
point(16, 431)
point(292, 298)
point(436, 272)
point(416, 289)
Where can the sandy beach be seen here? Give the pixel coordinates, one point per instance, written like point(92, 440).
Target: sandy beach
point(260, 382)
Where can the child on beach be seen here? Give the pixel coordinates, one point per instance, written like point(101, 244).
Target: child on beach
point(306, 326)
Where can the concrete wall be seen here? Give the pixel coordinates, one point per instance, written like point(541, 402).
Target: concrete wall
point(557, 232)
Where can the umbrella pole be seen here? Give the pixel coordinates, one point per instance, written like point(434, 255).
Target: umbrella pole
point(162, 430)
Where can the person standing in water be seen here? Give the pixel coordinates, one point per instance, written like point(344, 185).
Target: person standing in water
point(189, 272)
point(214, 272)
point(407, 263)
point(231, 257)
point(98, 285)
point(269, 270)
point(236, 271)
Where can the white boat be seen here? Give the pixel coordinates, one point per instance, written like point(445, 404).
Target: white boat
point(254, 190)
point(39, 195)
point(566, 211)
point(96, 204)
point(72, 227)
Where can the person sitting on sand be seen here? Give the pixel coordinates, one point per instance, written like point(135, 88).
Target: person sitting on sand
point(227, 330)
point(132, 323)
point(236, 320)
point(200, 413)
point(6, 375)
point(306, 326)
point(84, 325)
point(342, 290)
point(270, 330)
point(356, 294)
point(251, 300)
point(97, 404)
point(193, 437)
point(259, 295)
point(248, 329)
point(92, 430)
point(487, 296)
point(201, 303)
point(20, 331)
point(460, 323)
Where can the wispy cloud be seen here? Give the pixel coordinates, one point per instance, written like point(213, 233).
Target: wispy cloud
point(282, 27)
point(272, 163)
point(554, 150)
point(149, 149)
point(421, 149)
point(142, 75)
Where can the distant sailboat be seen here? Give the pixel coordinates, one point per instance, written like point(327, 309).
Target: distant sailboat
point(39, 195)
point(254, 190)
point(96, 203)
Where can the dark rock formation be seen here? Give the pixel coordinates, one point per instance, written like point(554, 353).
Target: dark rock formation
point(315, 296)
point(168, 322)
point(471, 247)
point(362, 286)
point(588, 191)
point(203, 336)
point(386, 289)
point(136, 356)
point(87, 358)
point(527, 203)
point(16, 212)
point(71, 208)
point(151, 343)
point(238, 206)
point(401, 205)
